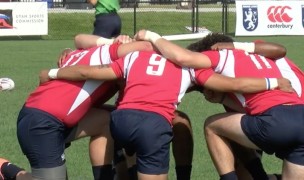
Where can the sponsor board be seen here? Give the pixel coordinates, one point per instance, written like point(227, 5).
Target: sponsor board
point(20, 19)
point(259, 18)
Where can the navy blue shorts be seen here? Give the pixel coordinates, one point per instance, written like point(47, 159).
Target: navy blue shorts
point(107, 25)
point(279, 130)
point(42, 138)
point(147, 134)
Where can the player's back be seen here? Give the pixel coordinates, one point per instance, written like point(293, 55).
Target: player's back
point(291, 71)
point(153, 83)
point(237, 63)
point(69, 100)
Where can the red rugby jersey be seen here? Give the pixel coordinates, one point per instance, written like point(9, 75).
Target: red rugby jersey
point(70, 100)
point(290, 71)
point(153, 83)
point(237, 63)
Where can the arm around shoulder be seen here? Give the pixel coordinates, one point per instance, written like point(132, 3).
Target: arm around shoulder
point(174, 52)
point(267, 49)
point(81, 73)
point(223, 83)
point(85, 41)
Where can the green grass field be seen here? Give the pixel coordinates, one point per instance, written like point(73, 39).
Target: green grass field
point(22, 60)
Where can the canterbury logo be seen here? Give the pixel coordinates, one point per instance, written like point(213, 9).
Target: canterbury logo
point(278, 14)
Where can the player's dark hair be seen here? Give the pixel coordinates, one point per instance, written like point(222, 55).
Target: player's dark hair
point(208, 41)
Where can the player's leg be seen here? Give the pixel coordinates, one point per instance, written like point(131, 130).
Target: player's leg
point(182, 145)
point(41, 138)
point(11, 171)
point(132, 167)
point(293, 161)
point(96, 125)
point(248, 163)
point(120, 167)
point(246, 159)
point(241, 172)
point(217, 129)
point(120, 164)
point(24, 175)
point(250, 166)
point(266, 132)
point(125, 165)
point(292, 171)
point(149, 135)
point(101, 160)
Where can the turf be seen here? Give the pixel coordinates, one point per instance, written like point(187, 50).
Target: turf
point(22, 61)
point(22, 58)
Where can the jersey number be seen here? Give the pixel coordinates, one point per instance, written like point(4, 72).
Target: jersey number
point(75, 58)
point(156, 65)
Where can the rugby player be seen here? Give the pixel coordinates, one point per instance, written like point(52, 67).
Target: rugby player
point(154, 86)
point(268, 113)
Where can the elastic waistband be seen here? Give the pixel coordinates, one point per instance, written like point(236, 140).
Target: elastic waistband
point(109, 13)
point(39, 111)
point(291, 104)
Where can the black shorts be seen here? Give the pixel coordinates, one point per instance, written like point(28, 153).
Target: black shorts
point(147, 134)
point(279, 130)
point(107, 25)
point(42, 138)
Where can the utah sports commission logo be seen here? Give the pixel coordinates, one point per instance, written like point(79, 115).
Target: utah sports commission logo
point(6, 19)
point(279, 17)
point(250, 17)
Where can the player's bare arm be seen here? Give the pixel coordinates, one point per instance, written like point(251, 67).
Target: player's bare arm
point(85, 41)
point(267, 49)
point(214, 96)
point(174, 52)
point(222, 98)
point(270, 50)
point(124, 49)
point(79, 73)
point(123, 39)
point(222, 83)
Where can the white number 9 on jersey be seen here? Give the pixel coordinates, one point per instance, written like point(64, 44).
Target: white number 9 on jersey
point(156, 65)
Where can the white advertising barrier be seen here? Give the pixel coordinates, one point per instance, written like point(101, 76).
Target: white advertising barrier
point(264, 18)
point(23, 18)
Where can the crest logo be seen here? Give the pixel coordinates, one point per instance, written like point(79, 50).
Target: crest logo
point(250, 17)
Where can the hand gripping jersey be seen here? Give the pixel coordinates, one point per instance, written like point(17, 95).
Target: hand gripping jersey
point(290, 71)
point(152, 83)
point(70, 100)
point(237, 63)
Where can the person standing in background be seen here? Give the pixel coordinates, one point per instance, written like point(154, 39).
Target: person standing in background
point(107, 22)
